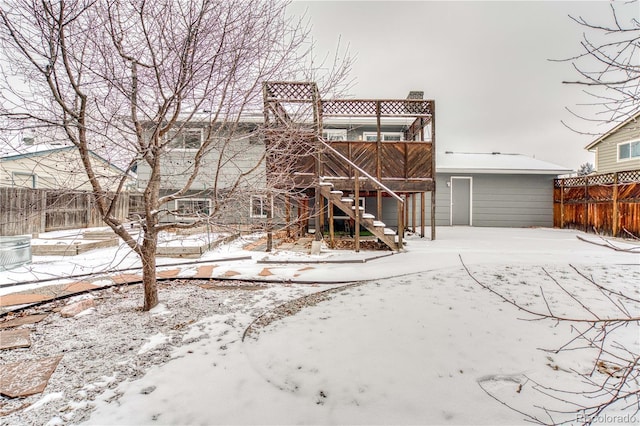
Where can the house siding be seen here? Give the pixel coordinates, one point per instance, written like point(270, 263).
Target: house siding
point(239, 157)
point(499, 200)
point(56, 170)
point(607, 150)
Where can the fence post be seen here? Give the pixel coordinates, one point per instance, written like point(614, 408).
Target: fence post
point(586, 204)
point(43, 211)
point(561, 203)
point(614, 224)
point(89, 211)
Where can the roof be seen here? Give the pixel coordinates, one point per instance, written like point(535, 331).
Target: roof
point(45, 149)
point(495, 163)
point(593, 144)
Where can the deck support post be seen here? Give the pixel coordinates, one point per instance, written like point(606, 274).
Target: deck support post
point(422, 212)
point(269, 224)
point(356, 205)
point(287, 213)
point(318, 208)
point(332, 242)
point(433, 213)
point(413, 211)
point(401, 211)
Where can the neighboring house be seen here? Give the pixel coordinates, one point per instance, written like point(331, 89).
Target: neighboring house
point(618, 149)
point(45, 166)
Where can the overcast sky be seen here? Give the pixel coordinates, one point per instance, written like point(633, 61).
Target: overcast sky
point(486, 64)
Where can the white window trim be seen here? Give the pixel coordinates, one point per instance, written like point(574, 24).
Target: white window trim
point(470, 178)
point(262, 209)
point(176, 213)
point(173, 133)
point(33, 176)
point(622, 160)
point(382, 135)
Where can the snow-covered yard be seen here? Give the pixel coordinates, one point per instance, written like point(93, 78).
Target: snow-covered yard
point(417, 341)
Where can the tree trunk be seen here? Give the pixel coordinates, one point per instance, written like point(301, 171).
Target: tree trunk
point(148, 258)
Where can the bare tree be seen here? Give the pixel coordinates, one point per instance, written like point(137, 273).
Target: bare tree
point(613, 382)
point(132, 79)
point(608, 65)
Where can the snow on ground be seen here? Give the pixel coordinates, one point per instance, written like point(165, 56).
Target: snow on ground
point(419, 342)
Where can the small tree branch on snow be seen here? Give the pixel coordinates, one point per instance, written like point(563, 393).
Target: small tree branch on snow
point(613, 382)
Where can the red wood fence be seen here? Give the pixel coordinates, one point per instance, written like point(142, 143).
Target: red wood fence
point(606, 203)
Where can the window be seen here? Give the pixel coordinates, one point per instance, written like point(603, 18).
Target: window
point(185, 139)
point(24, 180)
point(259, 206)
point(193, 207)
point(335, 134)
point(384, 136)
point(628, 150)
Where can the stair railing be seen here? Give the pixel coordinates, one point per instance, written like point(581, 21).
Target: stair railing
point(399, 199)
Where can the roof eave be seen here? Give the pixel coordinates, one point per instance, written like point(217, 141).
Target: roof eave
point(549, 172)
point(593, 144)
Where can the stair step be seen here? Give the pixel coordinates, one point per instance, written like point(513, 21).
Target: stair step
point(360, 208)
point(347, 200)
point(326, 184)
point(378, 224)
point(368, 216)
point(388, 231)
point(337, 192)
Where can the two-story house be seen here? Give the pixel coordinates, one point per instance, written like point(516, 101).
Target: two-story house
point(306, 161)
point(618, 149)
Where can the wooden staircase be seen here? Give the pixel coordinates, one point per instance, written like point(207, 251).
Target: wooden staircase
point(366, 220)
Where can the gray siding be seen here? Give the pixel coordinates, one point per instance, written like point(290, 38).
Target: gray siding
point(607, 150)
point(513, 200)
point(498, 200)
point(238, 157)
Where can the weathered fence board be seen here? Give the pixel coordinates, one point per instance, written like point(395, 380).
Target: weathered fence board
point(607, 203)
point(29, 211)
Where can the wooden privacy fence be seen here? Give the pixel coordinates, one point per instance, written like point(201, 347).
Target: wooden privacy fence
point(29, 211)
point(607, 203)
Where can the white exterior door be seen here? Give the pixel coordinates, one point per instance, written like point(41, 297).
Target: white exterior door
point(461, 201)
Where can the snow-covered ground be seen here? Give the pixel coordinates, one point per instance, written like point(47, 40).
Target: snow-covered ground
point(417, 342)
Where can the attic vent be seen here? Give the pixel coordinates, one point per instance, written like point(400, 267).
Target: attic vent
point(416, 94)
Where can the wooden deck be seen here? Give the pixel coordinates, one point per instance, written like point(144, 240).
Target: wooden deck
point(404, 166)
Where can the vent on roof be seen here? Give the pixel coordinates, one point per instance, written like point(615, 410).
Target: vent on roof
point(495, 153)
point(28, 140)
point(415, 94)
